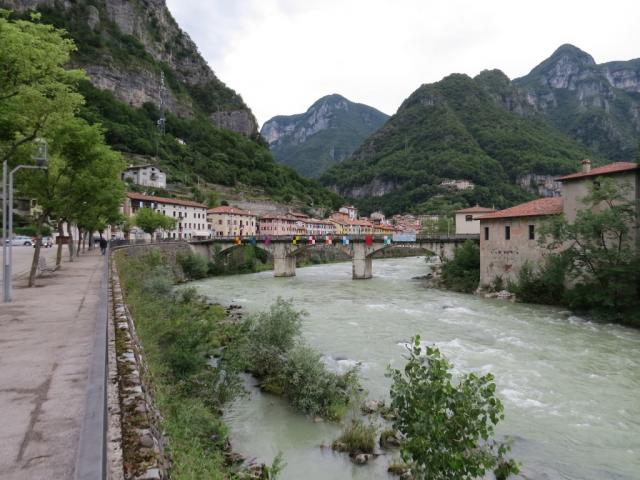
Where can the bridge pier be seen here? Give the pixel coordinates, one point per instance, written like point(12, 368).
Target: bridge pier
point(284, 263)
point(361, 262)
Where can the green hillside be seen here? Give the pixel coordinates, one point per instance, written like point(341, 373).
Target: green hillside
point(128, 50)
point(458, 128)
point(326, 134)
point(597, 104)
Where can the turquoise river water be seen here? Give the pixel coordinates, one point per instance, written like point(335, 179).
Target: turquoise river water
point(571, 387)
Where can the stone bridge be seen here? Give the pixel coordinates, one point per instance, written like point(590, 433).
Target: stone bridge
point(284, 251)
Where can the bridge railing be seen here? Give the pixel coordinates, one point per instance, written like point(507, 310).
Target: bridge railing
point(337, 238)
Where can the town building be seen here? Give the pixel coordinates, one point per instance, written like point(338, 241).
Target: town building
point(378, 218)
point(406, 223)
point(350, 211)
point(467, 219)
point(457, 184)
point(509, 238)
point(226, 221)
point(145, 175)
point(191, 217)
point(278, 225)
point(319, 228)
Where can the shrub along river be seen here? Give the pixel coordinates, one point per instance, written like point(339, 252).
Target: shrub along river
point(570, 386)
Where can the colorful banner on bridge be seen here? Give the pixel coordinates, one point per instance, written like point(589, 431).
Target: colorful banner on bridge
point(368, 240)
point(295, 240)
point(328, 240)
point(253, 241)
point(267, 241)
point(238, 241)
point(387, 240)
point(345, 240)
point(311, 240)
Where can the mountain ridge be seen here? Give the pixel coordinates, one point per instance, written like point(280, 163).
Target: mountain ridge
point(325, 134)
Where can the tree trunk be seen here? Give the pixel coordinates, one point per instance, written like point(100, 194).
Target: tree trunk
point(71, 244)
point(36, 253)
point(79, 242)
point(59, 252)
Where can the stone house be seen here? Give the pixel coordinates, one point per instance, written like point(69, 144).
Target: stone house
point(191, 217)
point(226, 221)
point(509, 238)
point(145, 175)
point(467, 221)
point(319, 228)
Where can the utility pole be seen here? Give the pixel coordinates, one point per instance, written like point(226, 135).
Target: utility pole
point(6, 268)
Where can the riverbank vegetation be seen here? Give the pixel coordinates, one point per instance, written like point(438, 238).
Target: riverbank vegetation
point(177, 332)
point(462, 273)
point(285, 365)
point(196, 353)
point(447, 427)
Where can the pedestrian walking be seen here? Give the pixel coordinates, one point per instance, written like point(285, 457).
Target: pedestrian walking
point(103, 245)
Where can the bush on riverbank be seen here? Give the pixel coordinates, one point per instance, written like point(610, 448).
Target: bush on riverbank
point(286, 366)
point(544, 286)
point(446, 427)
point(462, 273)
point(193, 265)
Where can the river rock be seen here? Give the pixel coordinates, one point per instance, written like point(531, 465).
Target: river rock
point(371, 406)
point(362, 458)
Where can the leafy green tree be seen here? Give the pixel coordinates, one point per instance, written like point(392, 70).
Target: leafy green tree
point(150, 221)
point(599, 247)
point(36, 91)
point(462, 273)
point(447, 427)
point(212, 199)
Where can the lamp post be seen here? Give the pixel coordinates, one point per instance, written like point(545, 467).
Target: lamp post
point(40, 158)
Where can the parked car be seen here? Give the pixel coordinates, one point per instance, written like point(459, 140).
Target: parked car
point(47, 242)
point(20, 240)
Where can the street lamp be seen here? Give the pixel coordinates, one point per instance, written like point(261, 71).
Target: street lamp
point(40, 158)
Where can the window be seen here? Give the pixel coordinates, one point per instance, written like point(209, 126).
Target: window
point(532, 232)
point(468, 218)
point(219, 222)
point(507, 232)
point(486, 233)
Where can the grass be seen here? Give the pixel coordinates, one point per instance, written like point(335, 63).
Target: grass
point(357, 437)
point(177, 332)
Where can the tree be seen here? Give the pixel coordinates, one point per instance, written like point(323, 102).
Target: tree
point(462, 273)
point(599, 249)
point(447, 427)
point(36, 92)
point(150, 221)
point(212, 199)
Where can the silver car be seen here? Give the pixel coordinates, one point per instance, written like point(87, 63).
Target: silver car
point(20, 240)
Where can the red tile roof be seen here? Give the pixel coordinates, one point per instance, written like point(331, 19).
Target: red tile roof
point(476, 209)
point(604, 170)
point(171, 201)
point(534, 208)
point(230, 210)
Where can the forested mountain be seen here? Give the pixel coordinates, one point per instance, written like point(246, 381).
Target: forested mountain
point(597, 104)
point(137, 59)
point(326, 134)
point(479, 129)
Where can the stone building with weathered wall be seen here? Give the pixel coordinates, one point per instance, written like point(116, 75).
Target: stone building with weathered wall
point(509, 238)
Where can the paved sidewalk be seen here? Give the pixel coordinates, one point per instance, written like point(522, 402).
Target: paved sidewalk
point(46, 348)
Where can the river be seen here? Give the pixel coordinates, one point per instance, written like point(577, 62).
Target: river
point(570, 387)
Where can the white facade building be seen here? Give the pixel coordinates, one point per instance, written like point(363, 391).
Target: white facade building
point(145, 175)
point(191, 217)
point(467, 221)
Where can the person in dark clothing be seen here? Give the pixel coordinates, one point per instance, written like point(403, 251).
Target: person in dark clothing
point(103, 245)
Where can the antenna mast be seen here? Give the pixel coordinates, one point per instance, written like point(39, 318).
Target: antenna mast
point(162, 120)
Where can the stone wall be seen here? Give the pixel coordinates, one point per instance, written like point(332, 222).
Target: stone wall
point(504, 258)
point(134, 421)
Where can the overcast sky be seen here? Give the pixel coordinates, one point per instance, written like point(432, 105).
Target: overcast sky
point(282, 55)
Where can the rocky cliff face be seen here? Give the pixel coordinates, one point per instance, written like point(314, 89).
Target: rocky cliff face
point(599, 105)
point(326, 134)
point(124, 45)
